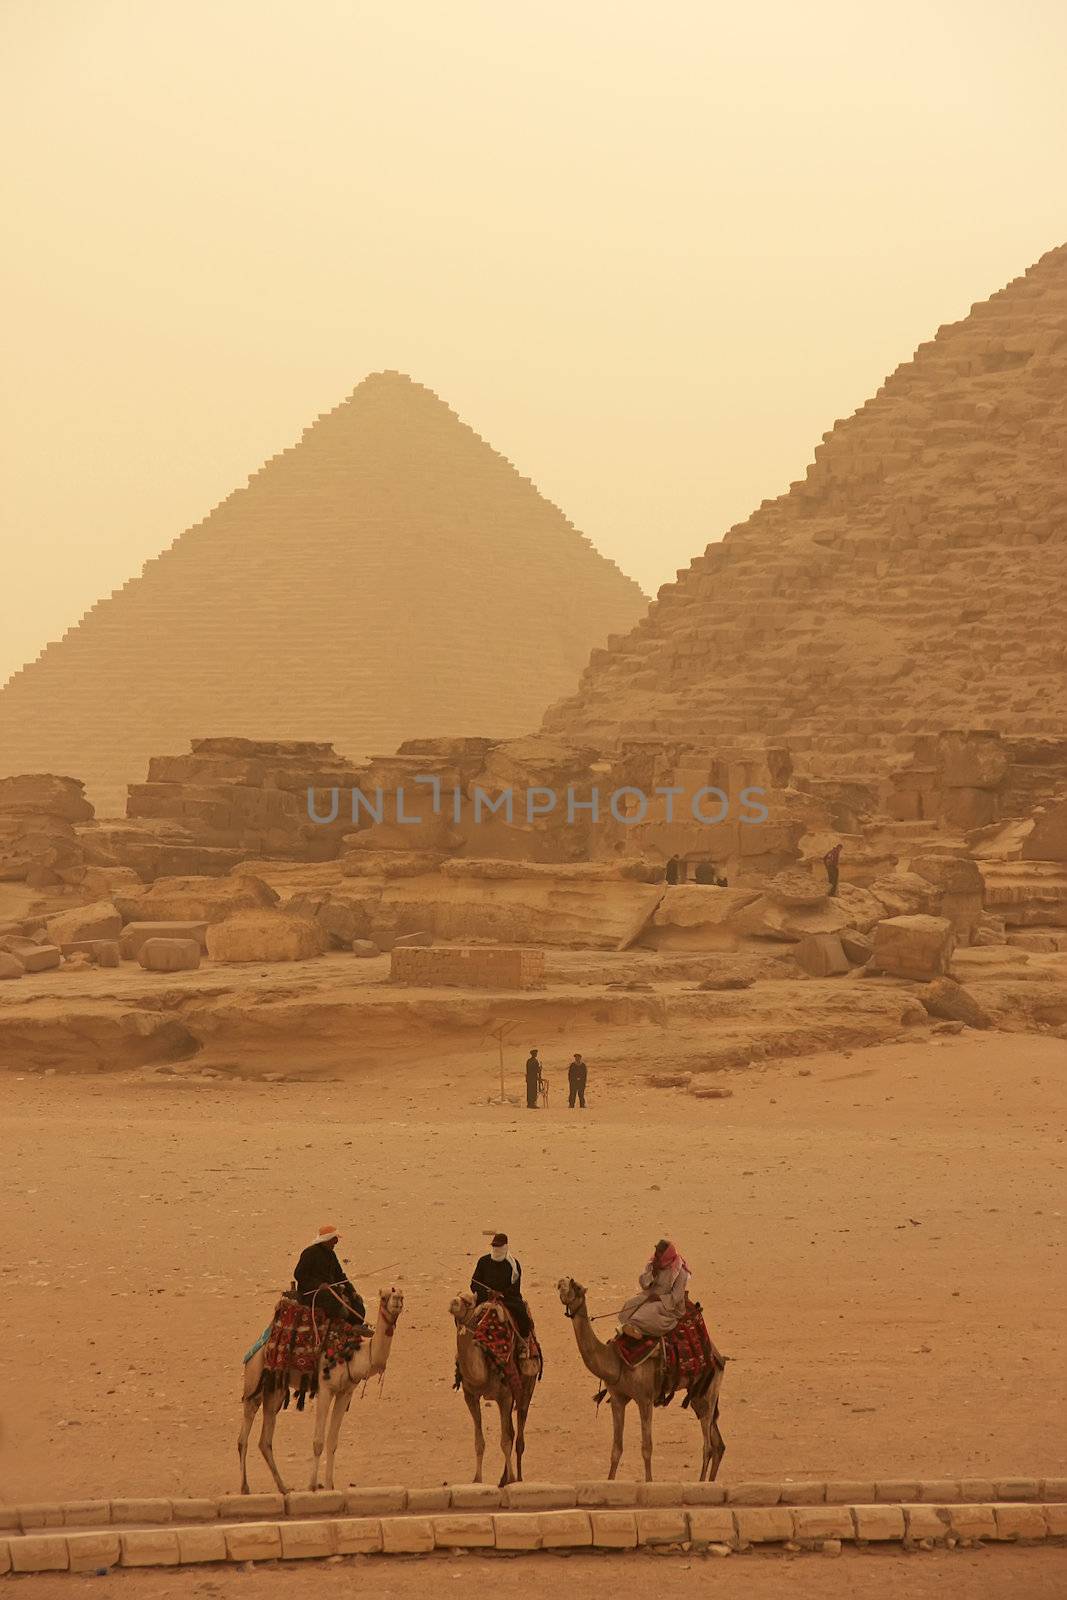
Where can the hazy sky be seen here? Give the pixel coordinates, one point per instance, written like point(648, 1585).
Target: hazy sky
point(650, 252)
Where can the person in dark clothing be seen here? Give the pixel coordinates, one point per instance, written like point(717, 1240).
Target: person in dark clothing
point(670, 871)
point(705, 872)
point(499, 1274)
point(577, 1077)
point(322, 1281)
point(832, 862)
point(533, 1080)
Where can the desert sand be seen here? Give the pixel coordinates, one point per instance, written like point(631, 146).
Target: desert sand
point(876, 1237)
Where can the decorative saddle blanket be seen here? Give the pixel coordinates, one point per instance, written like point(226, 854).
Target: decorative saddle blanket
point(492, 1328)
point(300, 1334)
point(690, 1359)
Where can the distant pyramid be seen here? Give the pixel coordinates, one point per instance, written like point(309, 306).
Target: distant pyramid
point(916, 581)
point(391, 576)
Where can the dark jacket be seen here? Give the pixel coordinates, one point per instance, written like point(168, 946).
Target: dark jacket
point(533, 1070)
point(318, 1265)
point(496, 1275)
point(577, 1075)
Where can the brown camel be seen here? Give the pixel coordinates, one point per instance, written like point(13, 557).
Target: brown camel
point(480, 1381)
point(335, 1391)
point(640, 1384)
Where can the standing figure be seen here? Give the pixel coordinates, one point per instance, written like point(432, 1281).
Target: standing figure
point(577, 1077)
point(831, 861)
point(658, 1309)
point(670, 871)
point(499, 1274)
point(533, 1080)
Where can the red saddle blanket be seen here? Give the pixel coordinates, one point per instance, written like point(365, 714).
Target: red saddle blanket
point(688, 1352)
point(493, 1329)
point(298, 1338)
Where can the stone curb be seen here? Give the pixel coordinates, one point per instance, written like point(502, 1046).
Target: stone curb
point(717, 1530)
point(395, 1500)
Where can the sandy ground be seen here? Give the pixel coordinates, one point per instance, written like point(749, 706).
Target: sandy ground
point(877, 1239)
point(988, 1574)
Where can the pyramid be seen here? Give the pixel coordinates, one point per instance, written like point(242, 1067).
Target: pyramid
point(915, 581)
point(389, 576)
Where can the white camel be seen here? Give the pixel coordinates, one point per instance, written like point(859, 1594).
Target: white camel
point(335, 1391)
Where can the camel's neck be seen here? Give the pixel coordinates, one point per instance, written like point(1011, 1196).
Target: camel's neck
point(381, 1341)
point(599, 1358)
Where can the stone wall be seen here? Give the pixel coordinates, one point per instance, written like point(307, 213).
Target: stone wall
point(468, 968)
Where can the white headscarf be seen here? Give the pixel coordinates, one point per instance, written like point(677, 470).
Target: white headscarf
point(501, 1252)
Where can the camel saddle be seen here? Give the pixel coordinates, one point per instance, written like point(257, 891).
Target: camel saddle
point(492, 1326)
point(299, 1336)
point(690, 1357)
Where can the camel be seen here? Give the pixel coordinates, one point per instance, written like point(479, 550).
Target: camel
point(335, 1390)
point(640, 1384)
point(480, 1381)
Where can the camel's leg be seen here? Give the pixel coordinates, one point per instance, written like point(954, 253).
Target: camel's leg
point(337, 1416)
point(474, 1406)
point(322, 1407)
point(507, 1438)
point(271, 1406)
point(250, 1407)
point(718, 1445)
point(520, 1436)
point(618, 1419)
point(703, 1410)
point(645, 1408)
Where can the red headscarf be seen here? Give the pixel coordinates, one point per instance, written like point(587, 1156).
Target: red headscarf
point(670, 1258)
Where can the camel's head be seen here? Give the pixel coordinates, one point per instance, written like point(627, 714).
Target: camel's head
point(391, 1302)
point(572, 1295)
point(460, 1308)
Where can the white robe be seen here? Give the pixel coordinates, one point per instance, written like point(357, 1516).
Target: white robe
point(657, 1317)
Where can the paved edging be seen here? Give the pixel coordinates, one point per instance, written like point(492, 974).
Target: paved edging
point(395, 1500)
point(716, 1530)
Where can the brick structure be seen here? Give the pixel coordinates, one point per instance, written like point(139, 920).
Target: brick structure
point(914, 581)
point(388, 576)
point(477, 967)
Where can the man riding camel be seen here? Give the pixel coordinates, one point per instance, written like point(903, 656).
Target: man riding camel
point(321, 1280)
point(660, 1306)
point(499, 1274)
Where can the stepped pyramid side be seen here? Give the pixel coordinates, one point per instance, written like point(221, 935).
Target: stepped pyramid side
point(389, 576)
point(915, 581)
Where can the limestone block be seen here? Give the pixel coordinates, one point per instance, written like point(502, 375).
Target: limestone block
point(1054, 1489)
point(462, 1532)
point(9, 1519)
point(134, 1512)
point(1056, 1520)
point(763, 1524)
point(89, 1551)
point(564, 1529)
point(365, 948)
point(923, 1522)
point(712, 1525)
point(972, 1521)
point(913, 947)
point(301, 1540)
point(150, 1547)
point(11, 966)
point(169, 955)
point(540, 1496)
point(970, 808)
point(754, 1494)
point(821, 955)
point(201, 1544)
point(194, 1510)
point(516, 1530)
point(476, 1497)
point(39, 1552)
point(879, 1522)
point(34, 957)
point(196, 899)
point(1017, 1489)
point(98, 921)
point(703, 1494)
point(254, 1541)
point(251, 1507)
point(358, 1536)
point(948, 999)
point(38, 1515)
point(376, 1502)
point(1047, 839)
point(858, 947)
point(314, 1502)
point(660, 1526)
point(101, 952)
point(896, 1490)
point(5, 1556)
point(607, 1492)
point(86, 1513)
point(265, 936)
point(659, 1494)
point(978, 1490)
point(41, 793)
point(940, 1491)
point(803, 1494)
point(1020, 1522)
point(614, 1530)
point(973, 760)
point(822, 1522)
point(134, 935)
point(424, 1500)
point(407, 1535)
